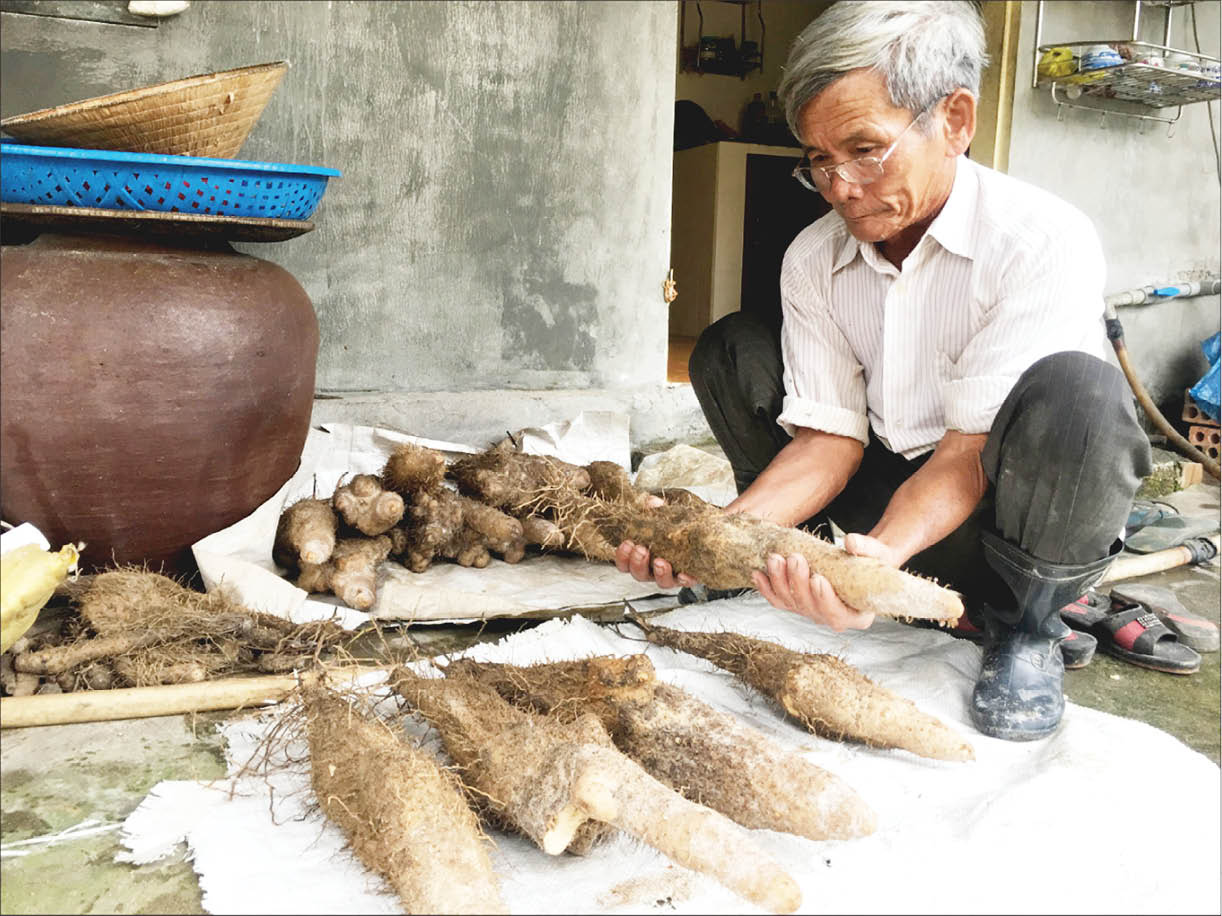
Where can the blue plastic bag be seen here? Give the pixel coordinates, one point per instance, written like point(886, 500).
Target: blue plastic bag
point(1206, 392)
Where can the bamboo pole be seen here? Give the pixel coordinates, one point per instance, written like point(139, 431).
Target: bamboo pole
point(168, 700)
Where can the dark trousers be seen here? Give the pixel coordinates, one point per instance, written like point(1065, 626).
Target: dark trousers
point(1063, 458)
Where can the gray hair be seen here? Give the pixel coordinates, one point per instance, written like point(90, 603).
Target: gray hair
point(923, 50)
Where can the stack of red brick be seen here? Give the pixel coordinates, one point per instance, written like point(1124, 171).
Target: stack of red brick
point(1202, 431)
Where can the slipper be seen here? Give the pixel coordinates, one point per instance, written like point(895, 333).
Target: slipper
point(1170, 532)
point(1137, 636)
point(1193, 630)
point(1077, 649)
point(1147, 512)
point(1087, 611)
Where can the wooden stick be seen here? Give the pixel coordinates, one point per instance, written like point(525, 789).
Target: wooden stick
point(1159, 560)
point(169, 700)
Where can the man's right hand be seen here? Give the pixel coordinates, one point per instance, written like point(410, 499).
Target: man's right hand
point(634, 559)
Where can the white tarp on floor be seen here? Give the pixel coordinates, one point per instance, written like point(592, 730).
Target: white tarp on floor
point(1108, 815)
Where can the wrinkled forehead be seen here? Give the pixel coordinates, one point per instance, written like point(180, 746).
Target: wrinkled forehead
point(856, 106)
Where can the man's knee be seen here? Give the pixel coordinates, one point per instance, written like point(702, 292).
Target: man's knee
point(721, 343)
point(1070, 406)
point(1072, 374)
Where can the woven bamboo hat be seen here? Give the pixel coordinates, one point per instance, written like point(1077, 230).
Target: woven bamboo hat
point(206, 115)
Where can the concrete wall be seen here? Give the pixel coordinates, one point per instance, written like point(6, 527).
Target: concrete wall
point(503, 219)
point(1155, 200)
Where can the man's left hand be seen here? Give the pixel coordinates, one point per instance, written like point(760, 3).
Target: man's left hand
point(791, 586)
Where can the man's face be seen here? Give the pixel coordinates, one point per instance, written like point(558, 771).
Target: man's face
point(854, 117)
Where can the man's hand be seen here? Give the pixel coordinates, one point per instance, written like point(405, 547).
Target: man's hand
point(791, 586)
point(635, 560)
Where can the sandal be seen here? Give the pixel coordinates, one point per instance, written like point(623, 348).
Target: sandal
point(1193, 630)
point(1137, 636)
point(1087, 611)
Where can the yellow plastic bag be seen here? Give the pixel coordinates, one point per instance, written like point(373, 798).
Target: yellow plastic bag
point(1057, 62)
point(28, 577)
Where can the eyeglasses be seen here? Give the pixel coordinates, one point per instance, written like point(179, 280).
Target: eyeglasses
point(866, 170)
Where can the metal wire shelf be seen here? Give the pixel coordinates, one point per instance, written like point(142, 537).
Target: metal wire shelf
point(1147, 77)
point(1146, 84)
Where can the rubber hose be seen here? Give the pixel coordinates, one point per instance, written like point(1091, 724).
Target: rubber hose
point(1185, 447)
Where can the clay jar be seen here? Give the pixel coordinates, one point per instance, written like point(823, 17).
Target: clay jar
point(150, 393)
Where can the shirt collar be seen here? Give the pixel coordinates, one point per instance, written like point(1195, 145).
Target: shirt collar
point(848, 251)
point(952, 228)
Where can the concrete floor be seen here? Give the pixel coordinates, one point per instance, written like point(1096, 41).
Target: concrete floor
point(1187, 707)
point(55, 778)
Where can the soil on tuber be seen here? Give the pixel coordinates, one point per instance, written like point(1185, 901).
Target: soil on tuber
point(703, 753)
point(511, 480)
point(547, 779)
point(405, 817)
point(442, 523)
point(412, 467)
point(610, 482)
point(830, 697)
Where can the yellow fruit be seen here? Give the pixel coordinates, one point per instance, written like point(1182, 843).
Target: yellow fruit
point(28, 577)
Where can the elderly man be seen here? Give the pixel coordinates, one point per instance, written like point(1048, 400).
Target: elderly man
point(938, 388)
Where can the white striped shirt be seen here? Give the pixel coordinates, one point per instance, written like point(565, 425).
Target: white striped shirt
point(1006, 274)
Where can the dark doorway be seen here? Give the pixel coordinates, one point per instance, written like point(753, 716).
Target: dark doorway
point(777, 208)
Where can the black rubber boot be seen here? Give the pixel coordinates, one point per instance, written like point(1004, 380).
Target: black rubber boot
point(1019, 695)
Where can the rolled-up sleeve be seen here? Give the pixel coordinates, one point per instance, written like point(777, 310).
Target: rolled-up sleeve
point(824, 384)
point(1050, 298)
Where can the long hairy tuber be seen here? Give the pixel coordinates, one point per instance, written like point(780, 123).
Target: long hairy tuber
point(405, 817)
point(718, 549)
point(829, 696)
point(723, 550)
point(705, 754)
point(548, 779)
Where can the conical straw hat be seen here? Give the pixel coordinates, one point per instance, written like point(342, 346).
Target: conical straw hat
point(205, 115)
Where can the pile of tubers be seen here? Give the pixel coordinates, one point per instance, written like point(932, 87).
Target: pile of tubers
point(568, 753)
point(139, 629)
point(501, 502)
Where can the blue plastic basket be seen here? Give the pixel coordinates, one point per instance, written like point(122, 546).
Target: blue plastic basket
point(171, 184)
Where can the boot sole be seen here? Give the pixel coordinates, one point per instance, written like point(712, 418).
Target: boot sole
point(1017, 734)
